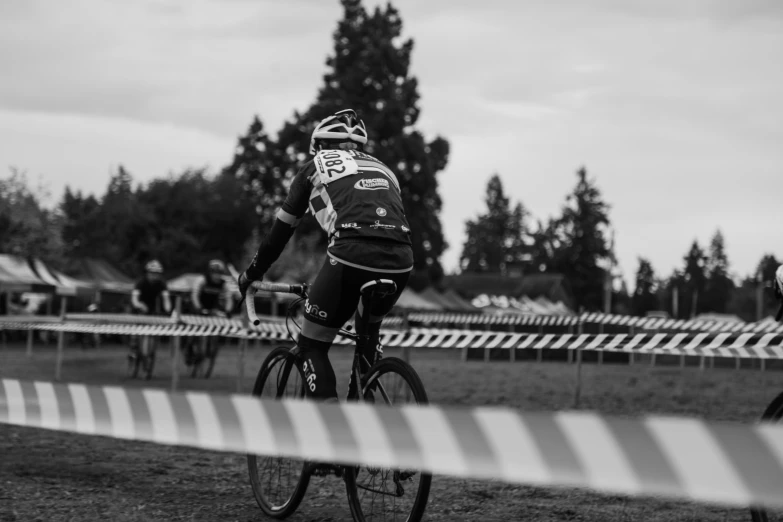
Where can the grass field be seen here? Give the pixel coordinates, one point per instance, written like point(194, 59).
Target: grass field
point(50, 476)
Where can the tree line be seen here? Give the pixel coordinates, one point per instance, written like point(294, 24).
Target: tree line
point(186, 218)
point(578, 244)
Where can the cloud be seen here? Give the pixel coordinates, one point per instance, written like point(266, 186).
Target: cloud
point(672, 105)
point(79, 150)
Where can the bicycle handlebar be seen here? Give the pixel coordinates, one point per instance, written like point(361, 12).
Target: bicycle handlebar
point(250, 304)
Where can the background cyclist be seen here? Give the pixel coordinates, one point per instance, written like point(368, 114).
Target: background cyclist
point(211, 295)
point(150, 296)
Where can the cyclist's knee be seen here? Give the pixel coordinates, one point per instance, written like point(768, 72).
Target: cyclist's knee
point(320, 381)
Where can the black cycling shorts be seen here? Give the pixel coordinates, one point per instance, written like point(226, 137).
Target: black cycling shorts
point(335, 293)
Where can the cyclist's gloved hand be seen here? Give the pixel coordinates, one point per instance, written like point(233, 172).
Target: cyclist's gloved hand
point(247, 278)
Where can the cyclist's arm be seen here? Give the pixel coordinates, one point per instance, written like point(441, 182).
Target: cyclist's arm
point(195, 295)
point(166, 300)
point(135, 302)
point(288, 217)
point(780, 313)
point(228, 299)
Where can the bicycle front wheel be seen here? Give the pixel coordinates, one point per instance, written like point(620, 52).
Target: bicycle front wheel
point(213, 347)
point(279, 483)
point(389, 494)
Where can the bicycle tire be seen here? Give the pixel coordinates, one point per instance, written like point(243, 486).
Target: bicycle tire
point(279, 355)
point(149, 364)
point(773, 412)
point(134, 364)
point(412, 379)
point(212, 350)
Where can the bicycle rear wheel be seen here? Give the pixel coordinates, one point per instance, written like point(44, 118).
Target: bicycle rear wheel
point(774, 413)
point(389, 494)
point(279, 483)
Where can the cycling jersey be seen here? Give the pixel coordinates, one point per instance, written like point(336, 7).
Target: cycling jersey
point(356, 199)
point(207, 294)
point(151, 294)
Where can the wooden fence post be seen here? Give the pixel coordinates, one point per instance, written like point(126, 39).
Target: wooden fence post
point(60, 340)
point(177, 343)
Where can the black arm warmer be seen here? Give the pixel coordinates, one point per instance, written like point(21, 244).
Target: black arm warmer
point(270, 249)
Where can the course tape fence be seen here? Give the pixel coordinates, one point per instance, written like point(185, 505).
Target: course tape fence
point(644, 323)
point(724, 344)
point(445, 320)
point(722, 463)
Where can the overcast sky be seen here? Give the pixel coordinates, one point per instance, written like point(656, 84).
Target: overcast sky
point(675, 107)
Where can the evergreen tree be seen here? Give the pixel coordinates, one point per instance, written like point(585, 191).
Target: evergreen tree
point(644, 296)
point(578, 242)
point(254, 167)
point(695, 278)
point(719, 285)
point(765, 275)
point(498, 237)
point(369, 71)
point(27, 228)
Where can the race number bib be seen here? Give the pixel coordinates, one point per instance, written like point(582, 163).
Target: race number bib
point(332, 165)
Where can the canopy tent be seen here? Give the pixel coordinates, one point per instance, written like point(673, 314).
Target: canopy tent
point(457, 301)
point(432, 295)
point(17, 276)
point(103, 276)
point(410, 300)
point(63, 284)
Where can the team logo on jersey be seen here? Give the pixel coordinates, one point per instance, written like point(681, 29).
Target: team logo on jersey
point(378, 224)
point(405, 229)
point(350, 225)
point(372, 184)
point(380, 211)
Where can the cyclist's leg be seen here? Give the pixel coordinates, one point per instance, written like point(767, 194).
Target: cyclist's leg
point(370, 321)
point(332, 300)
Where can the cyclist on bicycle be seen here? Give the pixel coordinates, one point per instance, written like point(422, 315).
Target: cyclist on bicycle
point(151, 295)
point(356, 200)
point(210, 289)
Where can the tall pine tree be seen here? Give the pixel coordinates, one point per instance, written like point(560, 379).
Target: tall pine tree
point(644, 296)
point(496, 238)
point(695, 279)
point(262, 180)
point(578, 242)
point(719, 286)
point(369, 71)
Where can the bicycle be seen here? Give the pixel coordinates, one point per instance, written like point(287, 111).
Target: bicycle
point(202, 356)
point(773, 413)
point(277, 370)
point(141, 356)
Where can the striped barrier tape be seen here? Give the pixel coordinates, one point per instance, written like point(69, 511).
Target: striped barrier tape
point(746, 345)
point(646, 323)
point(722, 463)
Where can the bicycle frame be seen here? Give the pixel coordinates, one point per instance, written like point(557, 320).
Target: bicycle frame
point(301, 291)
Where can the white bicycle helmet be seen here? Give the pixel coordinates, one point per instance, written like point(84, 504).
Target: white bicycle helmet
point(216, 265)
point(344, 125)
point(154, 267)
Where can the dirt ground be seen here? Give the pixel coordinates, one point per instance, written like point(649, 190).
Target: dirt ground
point(51, 476)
